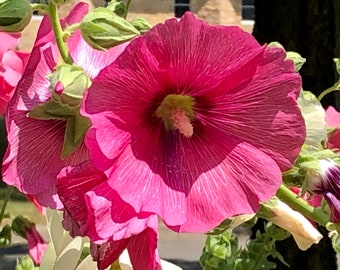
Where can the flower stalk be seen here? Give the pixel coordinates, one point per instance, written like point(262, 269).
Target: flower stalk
point(3, 208)
point(127, 6)
point(290, 198)
point(59, 33)
point(335, 87)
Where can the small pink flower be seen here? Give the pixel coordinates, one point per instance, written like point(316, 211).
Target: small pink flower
point(12, 65)
point(93, 209)
point(36, 245)
point(33, 157)
point(195, 123)
point(333, 121)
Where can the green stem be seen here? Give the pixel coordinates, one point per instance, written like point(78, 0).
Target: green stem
point(335, 87)
point(300, 205)
point(70, 29)
point(127, 6)
point(59, 33)
point(3, 208)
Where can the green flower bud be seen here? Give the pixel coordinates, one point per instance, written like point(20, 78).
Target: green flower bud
point(69, 80)
point(102, 29)
point(15, 15)
point(20, 224)
point(25, 263)
point(297, 59)
point(68, 84)
point(141, 25)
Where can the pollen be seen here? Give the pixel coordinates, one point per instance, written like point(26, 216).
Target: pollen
point(182, 122)
point(177, 113)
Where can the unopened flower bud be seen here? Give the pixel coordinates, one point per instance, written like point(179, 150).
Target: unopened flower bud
point(297, 59)
point(141, 25)
point(15, 15)
point(36, 244)
point(102, 29)
point(25, 263)
point(326, 181)
point(20, 225)
point(292, 221)
point(68, 84)
point(70, 80)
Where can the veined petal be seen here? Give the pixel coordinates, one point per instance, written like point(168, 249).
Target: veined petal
point(242, 113)
point(198, 189)
point(32, 160)
point(262, 109)
point(97, 211)
point(34, 148)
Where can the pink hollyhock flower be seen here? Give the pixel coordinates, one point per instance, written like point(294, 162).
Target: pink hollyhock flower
point(192, 116)
point(333, 121)
point(36, 244)
point(12, 65)
point(92, 208)
point(32, 160)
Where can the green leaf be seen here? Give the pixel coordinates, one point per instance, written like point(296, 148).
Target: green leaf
point(76, 128)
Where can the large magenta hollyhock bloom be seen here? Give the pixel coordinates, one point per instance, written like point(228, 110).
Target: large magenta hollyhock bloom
point(333, 121)
point(195, 122)
point(92, 208)
point(12, 65)
point(32, 160)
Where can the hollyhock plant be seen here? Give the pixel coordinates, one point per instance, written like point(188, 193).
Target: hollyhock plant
point(12, 65)
point(33, 158)
point(94, 209)
point(191, 116)
point(333, 122)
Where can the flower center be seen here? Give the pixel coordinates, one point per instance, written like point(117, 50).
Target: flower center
point(177, 113)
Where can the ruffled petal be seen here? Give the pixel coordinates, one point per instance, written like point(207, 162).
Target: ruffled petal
point(264, 112)
point(245, 112)
point(142, 249)
point(193, 183)
point(97, 211)
point(168, 61)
